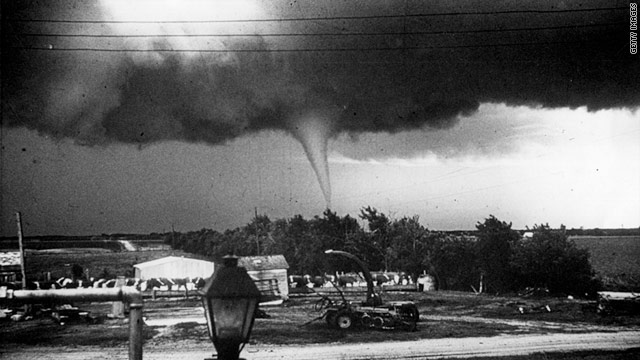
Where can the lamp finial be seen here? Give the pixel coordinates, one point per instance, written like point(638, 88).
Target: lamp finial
point(230, 261)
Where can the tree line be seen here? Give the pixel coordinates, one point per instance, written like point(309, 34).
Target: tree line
point(495, 258)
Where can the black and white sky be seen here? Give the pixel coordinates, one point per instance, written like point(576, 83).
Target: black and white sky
point(140, 116)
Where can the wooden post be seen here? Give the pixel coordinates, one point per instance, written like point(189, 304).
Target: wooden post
point(135, 330)
point(117, 307)
point(22, 268)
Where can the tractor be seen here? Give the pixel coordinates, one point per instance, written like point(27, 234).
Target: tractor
point(371, 313)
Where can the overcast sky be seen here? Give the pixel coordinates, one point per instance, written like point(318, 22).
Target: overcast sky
point(127, 116)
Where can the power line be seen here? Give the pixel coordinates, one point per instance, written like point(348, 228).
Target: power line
point(326, 18)
point(434, 32)
point(362, 49)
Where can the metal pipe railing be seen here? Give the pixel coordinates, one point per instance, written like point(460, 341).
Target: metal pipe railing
point(125, 294)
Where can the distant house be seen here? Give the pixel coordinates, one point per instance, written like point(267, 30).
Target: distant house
point(9, 266)
point(173, 267)
point(265, 268)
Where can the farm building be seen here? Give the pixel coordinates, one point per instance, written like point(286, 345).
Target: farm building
point(264, 268)
point(9, 266)
point(173, 267)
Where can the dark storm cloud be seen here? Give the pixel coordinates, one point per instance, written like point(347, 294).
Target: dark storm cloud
point(423, 75)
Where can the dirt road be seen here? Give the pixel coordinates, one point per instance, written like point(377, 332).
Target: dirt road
point(127, 245)
point(422, 349)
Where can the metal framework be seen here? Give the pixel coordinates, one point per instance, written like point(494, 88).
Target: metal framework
point(128, 295)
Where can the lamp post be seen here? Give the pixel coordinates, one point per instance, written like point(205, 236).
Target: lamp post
point(230, 298)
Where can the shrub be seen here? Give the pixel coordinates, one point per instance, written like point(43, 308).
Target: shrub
point(549, 259)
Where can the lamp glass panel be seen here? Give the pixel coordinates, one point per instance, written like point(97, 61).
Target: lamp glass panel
point(207, 305)
point(232, 318)
point(251, 312)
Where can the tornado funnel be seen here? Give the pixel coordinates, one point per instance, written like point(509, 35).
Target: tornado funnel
point(313, 131)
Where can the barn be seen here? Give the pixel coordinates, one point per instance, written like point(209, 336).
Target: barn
point(266, 268)
point(173, 267)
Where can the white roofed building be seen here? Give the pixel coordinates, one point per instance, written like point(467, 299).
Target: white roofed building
point(173, 267)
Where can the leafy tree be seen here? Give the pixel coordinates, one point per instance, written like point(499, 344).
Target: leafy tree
point(297, 243)
point(379, 249)
point(409, 245)
point(378, 222)
point(453, 262)
point(258, 231)
point(362, 245)
point(494, 247)
point(550, 259)
point(331, 232)
point(457, 261)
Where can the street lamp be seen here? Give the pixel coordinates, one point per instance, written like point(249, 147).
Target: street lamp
point(230, 298)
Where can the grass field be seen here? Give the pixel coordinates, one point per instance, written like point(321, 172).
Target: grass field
point(98, 262)
point(616, 260)
point(612, 255)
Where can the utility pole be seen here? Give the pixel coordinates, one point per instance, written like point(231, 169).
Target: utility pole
point(173, 237)
point(255, 211)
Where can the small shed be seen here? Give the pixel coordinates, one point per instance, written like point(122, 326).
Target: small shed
point(173, 267)
point(10, 266)
point(271, 267)
point(426, 282)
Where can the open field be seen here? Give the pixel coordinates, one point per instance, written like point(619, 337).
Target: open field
point(612, 255)
point(615, 260)
point(98, 262)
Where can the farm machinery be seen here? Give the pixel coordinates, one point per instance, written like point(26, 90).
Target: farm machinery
point(371, 313)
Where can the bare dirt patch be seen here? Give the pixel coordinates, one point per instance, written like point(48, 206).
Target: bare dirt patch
point(181, 323)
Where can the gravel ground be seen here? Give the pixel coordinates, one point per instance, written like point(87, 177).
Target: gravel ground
point(422, 349)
